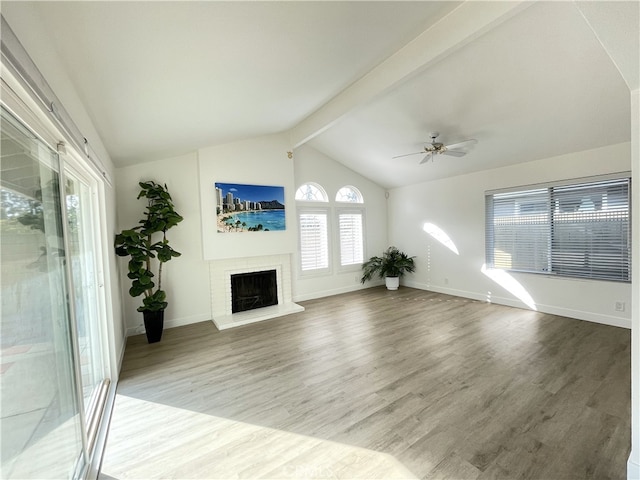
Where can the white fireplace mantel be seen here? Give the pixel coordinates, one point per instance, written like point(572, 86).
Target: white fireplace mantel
point(220, 272)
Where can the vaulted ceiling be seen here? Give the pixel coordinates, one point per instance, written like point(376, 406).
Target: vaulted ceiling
point(359, 81)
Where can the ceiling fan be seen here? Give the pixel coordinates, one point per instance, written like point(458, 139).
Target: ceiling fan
point(437, 148)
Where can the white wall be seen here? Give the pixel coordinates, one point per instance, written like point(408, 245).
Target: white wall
point(313, 166)
point(457, 206)
point(258, 161)
point(185, 278)
point(191, 178)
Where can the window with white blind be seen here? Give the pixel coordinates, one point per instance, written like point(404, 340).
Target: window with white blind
point(314, 240)
point(351, 237)
point(578, 230)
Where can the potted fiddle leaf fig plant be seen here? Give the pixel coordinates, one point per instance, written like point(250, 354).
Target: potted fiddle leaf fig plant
point(391, 266)
point(148, 249)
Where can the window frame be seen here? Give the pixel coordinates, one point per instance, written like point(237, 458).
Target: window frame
point(322, 191)
point(358, 195)
point(317, 209)
point(555, 247)
point(342, 210)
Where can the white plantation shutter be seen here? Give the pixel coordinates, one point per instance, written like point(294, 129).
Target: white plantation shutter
point(351, 239)
point(581, 230)
point(314, 241)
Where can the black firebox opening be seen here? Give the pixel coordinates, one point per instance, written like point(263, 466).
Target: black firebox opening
point(253, 290)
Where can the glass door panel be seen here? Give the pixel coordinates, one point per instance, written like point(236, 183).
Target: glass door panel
point(82, 254)
point(41, 433)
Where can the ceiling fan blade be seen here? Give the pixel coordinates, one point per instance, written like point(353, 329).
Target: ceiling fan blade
point(454, 153)
point(427, 157)
point(463, 143)
point(407, 154)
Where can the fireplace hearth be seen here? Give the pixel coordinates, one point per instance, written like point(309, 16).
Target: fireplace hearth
point(223, 312)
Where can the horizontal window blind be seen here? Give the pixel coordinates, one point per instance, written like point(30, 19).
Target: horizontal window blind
point(520, 231)
point(581, 230)
point(351, 239)
point(314, 243)
point(591, 230)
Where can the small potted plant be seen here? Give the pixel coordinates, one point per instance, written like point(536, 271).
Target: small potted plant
point(391, 266)
point(148, 247)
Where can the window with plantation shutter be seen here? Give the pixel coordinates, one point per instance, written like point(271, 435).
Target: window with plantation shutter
point(580, 230)
point(351, 238)
point(314, 241)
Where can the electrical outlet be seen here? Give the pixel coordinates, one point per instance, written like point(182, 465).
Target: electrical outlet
point(619, 306)
point(446, 281)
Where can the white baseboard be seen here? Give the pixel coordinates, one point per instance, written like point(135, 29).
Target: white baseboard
point(334, 291)
point(550, 309)
point(171, 323)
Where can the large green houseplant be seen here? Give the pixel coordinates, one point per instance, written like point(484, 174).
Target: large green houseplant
point(148, 248)
point(391, 266)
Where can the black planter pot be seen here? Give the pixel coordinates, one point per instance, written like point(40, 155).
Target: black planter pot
point(153, 324)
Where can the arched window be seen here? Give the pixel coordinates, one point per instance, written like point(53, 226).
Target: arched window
point(350, 226)
point(351, 233)
point(311, 192)
point(349, 194)
point(313, 223)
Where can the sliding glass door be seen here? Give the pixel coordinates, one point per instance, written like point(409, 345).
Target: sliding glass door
point(88, 306)
point(53, 368)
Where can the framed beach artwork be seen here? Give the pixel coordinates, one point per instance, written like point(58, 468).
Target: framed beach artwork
point(249, 208)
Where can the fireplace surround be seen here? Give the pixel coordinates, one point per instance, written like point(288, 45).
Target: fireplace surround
point(221, 272)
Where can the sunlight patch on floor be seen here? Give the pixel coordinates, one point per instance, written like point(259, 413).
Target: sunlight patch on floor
point(150, 440)
point(510, 284)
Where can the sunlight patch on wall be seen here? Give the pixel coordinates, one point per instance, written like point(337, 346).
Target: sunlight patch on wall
point(441, 236)
point(510, 284)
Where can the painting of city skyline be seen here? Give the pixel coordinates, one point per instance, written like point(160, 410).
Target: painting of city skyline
point(249, 208)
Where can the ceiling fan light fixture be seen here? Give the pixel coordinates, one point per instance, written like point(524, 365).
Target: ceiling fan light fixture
point(440, 148)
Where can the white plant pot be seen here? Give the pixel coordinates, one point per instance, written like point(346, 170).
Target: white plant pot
point(392, 283)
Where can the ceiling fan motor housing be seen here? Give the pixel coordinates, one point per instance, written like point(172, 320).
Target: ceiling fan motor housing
point(436, 147)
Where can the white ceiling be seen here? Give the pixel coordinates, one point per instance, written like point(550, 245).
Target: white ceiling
point(536, 86)
point(164, 78)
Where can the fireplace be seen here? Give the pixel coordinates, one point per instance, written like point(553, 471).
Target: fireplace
point(253, 290)
point(227, 313)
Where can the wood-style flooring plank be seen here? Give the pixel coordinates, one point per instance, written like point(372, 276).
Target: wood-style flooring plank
point(377, 384)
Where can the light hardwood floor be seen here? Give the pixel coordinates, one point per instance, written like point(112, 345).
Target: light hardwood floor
point(377, 384)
